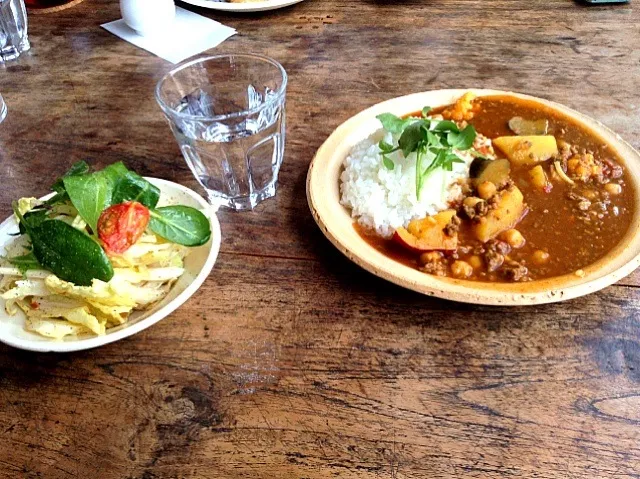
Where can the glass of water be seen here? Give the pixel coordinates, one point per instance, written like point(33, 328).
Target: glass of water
point(13, 29)
point(228, 114)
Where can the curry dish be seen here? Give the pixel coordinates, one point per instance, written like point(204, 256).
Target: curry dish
point(545, 197)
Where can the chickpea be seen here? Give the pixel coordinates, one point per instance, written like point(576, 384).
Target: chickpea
point(486, 190)
point(471, 201)
point(613, 188)
point(513, 238)
point(540, 257)
point(475, 261)
point(461, 269)
point(430, 257)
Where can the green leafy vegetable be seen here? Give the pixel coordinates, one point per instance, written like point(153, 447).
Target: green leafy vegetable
point(434, 143)
point(411, 137)
point(67, 252)
point(78, 168)
point(92, 193)
point(181, 224)
point(386, 147)
point(462, 140)
point(393, 123)
point(34, 218)
point(130, 186)
point(25, 262)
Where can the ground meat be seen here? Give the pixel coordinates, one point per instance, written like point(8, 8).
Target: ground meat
point(612, 170)
point(585, 167)
point(584, 205)
point(433, 263)
point(514, 272)
point(494, 254)
point(493, 260)
point(498, 246)
point(479, 250)
point(482, 208)
point(477, 211)
point(484, 146)
point(565, 151)
point(573, 196)
point(453, 227)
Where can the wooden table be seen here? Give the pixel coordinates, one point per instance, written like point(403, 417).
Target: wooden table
point(291, 362)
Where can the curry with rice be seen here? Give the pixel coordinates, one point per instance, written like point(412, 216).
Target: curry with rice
point(544, 196)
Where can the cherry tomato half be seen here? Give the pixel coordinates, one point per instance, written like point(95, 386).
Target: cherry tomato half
point(120, 226)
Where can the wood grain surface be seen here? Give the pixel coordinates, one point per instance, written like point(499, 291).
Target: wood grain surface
point(290, 362)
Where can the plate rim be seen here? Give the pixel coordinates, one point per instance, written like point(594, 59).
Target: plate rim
point(53, 346)
point(496, 294)
point(243, 7)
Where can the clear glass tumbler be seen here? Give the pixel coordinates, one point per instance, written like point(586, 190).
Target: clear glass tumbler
point(13, 29)
point(228, 114)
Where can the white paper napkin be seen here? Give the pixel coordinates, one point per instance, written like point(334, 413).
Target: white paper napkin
point(189, 35)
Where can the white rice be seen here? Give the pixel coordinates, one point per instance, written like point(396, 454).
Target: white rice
point(384, 199)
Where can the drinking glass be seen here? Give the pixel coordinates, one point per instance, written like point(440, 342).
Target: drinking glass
point(227, 113)
point(13, 29)
point(3, 109)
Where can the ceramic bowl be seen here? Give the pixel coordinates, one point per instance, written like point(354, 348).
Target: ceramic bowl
point(261, 6)
point(198, 265)
point(148, 17)
point(336, 223)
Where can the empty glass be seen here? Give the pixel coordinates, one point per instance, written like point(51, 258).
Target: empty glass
point(13, 29)
point(228, 114)
point(3, 109)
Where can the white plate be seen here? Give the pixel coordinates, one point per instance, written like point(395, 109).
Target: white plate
point(243, 7)
point(323, 194)
point(198, 265)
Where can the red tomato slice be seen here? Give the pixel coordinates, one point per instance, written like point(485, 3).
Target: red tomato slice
point(120, 226)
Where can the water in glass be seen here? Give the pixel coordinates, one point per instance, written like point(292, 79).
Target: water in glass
point(230, 127)
point(13, 29)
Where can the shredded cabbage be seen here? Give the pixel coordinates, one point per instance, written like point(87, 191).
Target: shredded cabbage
point(54, 308)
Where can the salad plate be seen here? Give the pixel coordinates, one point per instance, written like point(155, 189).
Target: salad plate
point(327, 171)
point(198, 265)
point(255, 6)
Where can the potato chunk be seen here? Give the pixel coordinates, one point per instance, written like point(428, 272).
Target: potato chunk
point(430, 233)
point(539, 179)
point(527, 150)
point(507, 211)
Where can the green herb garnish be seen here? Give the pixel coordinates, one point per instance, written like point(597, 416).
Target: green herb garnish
point(433, 142)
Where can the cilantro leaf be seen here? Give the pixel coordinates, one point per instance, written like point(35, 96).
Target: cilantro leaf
point(462, 140)
point(388, 163)
point(392, 123)
point(432, 141)
point(386, 147)
point(446, 125)
point(411, 137)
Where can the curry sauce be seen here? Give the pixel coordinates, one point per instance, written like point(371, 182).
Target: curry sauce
point(581, 213)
